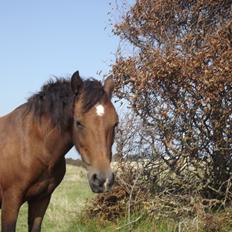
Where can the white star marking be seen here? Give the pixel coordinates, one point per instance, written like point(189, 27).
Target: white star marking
point(100, 110)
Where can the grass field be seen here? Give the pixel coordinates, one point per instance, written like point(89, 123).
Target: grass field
point(65, 212)
point(66, 203)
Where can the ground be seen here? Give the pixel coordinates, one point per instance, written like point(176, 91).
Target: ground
point(66, 203)
point(66, 212)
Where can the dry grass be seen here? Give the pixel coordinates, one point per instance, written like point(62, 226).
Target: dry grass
point(132, 204)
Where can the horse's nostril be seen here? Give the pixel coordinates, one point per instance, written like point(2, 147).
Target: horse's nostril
point(94, 177)
point(101, 182)
point(97, 179)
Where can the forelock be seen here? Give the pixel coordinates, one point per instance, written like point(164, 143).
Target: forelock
point(92, 93)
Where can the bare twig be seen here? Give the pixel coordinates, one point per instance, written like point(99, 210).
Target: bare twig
point(130, 223)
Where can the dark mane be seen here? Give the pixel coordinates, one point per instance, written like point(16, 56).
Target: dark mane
point(56, 99)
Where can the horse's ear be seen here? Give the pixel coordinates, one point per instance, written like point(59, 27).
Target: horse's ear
point(109, 86)
point(76, 82)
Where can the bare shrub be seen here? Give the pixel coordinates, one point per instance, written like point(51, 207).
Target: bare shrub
point(179, 81)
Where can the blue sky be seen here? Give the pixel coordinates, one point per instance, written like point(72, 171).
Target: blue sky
point(39, 39)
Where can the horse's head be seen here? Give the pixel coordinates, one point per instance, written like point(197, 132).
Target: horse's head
point(95, 119)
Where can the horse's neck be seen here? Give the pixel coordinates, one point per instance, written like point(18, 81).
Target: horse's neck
point(56, 143)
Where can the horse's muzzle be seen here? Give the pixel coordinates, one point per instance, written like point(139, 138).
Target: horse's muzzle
point(100, 183)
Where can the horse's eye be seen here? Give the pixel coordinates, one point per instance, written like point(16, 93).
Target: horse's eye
point(78, 124)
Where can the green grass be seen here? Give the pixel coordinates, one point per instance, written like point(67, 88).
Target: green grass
point(145, 224)
point(66, 204)
point(65, 213)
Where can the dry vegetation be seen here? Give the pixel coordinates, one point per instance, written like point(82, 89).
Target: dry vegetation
point(179, 81)
point(178, 84)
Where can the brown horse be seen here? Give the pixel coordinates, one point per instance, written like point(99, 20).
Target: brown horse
point(35, 137)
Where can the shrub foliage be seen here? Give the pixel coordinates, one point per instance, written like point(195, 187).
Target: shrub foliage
point(175, 141)
point(179, 83)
